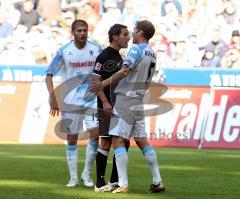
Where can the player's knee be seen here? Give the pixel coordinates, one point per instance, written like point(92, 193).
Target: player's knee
point(141, 143)
point(71, 142)
point(117, 142)
point(94, 133)
point(72, 139)
point(94, 138)
point(105, 143)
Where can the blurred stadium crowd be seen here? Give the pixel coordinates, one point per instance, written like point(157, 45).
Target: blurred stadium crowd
point(189, 33)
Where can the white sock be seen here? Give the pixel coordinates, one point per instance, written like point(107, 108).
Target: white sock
point(91, 152)
point(151, 158)
point(72, 159)
point(122, 166)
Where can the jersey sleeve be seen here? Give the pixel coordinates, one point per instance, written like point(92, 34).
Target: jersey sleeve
point(98, 68)
point(133, 57)
point(56, 64)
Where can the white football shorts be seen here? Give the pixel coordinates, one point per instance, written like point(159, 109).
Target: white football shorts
point(78, 123)
point(127, 123)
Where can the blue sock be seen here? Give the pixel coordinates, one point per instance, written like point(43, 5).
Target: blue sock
point(151, 158)
point(122, 166)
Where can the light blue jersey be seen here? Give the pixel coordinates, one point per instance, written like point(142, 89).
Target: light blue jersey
point(142, 60)
point(73, 62)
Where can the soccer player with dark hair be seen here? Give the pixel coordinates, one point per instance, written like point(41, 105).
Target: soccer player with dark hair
point(76, 59)
point(135, 76)
point(108, 62)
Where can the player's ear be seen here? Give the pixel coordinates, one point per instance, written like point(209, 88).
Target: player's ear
point(115, 37)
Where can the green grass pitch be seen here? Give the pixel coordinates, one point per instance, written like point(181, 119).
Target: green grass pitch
point(40, 172)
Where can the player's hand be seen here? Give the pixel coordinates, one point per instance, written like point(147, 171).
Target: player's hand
point(96, 84)
point(54, 110)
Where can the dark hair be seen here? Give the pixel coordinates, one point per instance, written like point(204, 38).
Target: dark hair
point(115, 30)
point(78, 22)
point(235, 33)
point(147, 27)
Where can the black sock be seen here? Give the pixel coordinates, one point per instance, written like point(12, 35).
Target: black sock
point(114, 175)
point(101, 163)
point(127, 144)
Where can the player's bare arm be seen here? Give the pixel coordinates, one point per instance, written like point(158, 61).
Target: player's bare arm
point(96, 85)
point(106, 104)
point(117, 76)
point(54, 109)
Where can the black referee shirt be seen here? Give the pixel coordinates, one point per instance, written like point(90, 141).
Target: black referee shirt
point(108, 62)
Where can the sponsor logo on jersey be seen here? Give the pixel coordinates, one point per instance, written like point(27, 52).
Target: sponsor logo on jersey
point(98, 66)
point(82, 64)
point(91, 52)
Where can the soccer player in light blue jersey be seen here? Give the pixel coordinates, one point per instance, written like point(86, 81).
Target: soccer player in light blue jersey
point(135, 77)
point(76, 59)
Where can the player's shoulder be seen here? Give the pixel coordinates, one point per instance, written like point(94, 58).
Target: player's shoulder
point(94, 45)
point(135, 50)
point(104, 55)
point(104, 52)
point(66, 46)
point(140, 48)
point(143, 46)
point(101, 59)
point(135, 47)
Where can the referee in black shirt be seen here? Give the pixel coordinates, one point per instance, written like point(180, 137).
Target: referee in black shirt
point(107, 63)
